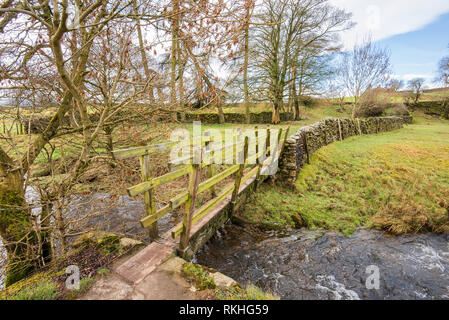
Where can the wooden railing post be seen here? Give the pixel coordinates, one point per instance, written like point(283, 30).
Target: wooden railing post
point(285, 138)
point(306, 147)
point(210, 168)
point(258, 163)
point(238, 177)
point(279, 139)
point(194, 180)
point(150, 203)
point(267, 144)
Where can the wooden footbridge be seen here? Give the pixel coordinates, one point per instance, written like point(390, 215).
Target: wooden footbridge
point(198, 224)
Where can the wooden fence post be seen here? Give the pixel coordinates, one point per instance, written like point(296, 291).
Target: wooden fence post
point(194, 180)
point(358, 126)
point(150, 203)
point(339, 130)
point(285, 138)
point(238, 177)
point(306, 147)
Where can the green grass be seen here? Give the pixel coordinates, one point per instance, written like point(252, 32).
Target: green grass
point(199, 275)
point(201, 279)
point(251, 292)
point(103, 271)
point(396, 181)
point(44, 290)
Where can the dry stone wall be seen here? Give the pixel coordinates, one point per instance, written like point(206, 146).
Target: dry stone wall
point(211, 118)
point(309, 139)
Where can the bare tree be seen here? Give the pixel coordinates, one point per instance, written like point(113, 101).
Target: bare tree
point(293, 36)
point(394, 85)
point(443, 70)
point(365, 67)
point(416, 86)
point(41, 49)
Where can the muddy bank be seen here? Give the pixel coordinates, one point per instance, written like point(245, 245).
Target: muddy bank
point(302, 264)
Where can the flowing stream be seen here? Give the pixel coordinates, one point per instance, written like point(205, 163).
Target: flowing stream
point(303, 264)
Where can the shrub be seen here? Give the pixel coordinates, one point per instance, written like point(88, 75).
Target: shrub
point(371, 104)
point(399, 110)
point(308, 102)
point(445, 113)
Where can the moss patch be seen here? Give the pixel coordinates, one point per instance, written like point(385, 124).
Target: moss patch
point(92, 256)
point(198, 275)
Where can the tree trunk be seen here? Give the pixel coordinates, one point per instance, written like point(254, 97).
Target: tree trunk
point(174, 44)
point(109, 142)
point(143, 54)
point(181, 66)
point(15, 223)
point(277, 105)
point(245, 69)
point(221, 118)
point(296, 102)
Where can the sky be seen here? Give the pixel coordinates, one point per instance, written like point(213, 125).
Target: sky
point(415, 31)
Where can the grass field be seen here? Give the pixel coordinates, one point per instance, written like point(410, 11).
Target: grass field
point(396, 181)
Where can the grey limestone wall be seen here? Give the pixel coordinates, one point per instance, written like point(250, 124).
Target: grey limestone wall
point(309, 139)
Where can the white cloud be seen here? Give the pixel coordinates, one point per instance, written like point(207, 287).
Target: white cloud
point(386, 18)
point(429, 79)
point(410, 76)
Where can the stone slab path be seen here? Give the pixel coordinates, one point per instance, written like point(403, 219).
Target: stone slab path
point(164, 283)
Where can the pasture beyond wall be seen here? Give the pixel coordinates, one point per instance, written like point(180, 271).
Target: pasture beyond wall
point(309, 139)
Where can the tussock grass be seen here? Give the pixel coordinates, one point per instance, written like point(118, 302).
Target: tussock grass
point(44, 290)
point(251, 292)
point(396, 181)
